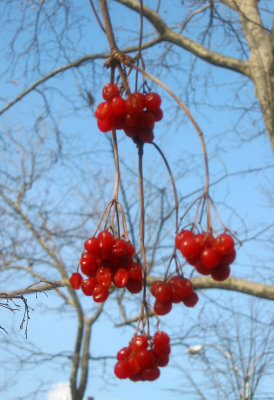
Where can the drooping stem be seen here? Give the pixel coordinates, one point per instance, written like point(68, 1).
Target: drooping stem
point(117, 170)
point(189, 115)
point(172, 182)
point(142, 214)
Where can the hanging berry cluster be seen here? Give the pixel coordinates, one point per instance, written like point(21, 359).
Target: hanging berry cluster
point(107, 260)
point(136, 114)
point(176, 290)
point(141, 359)
point(209, 255)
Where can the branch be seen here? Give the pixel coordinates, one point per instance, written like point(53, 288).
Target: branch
point(168, 35)
point(236, 284)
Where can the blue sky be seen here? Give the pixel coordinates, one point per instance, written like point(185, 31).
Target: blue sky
point(242, 199)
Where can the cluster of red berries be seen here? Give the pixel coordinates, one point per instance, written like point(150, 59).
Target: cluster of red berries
point(140, 361)
point(107, 260)
point(209, 255)
point(177, 289)
point(136, 115)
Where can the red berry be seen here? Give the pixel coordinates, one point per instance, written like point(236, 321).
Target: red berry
point(204, 239)
point(152, 101)
point(151, 374)
point(162, 308)
point(163, 292)
point(154, 286)
point(162, 361)
point(146, 358)
point(135, 271)
point(209, 258)
point(92, 246)
point(123, 353)
point(100, 293)
point(76, 280)
point(189, 247)
point(109, 91)
point(104, 111)
point(134, 286)
point(146, 120)
point(161, 340)
point(145, 135)
point(191, 300)
point(157, 114)
point(221, 272)
point(130, 121)
point(118, 105)
point(105, 240)
point(135, 103)
point(181, 287)
point(138, 343)
point(104, 125)
point(224, 244)
point(122, 369)
point(228, 258)
point(181, 236)
point(88, 264)
point(104, 276)
point(88, 286)
point(121, 278)
point(119, 248)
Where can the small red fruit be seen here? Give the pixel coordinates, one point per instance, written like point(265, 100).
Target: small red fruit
point(76, 280)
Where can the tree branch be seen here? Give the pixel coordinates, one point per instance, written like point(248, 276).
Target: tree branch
point(168, 35)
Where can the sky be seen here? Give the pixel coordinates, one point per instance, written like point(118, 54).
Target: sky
point(242, 198)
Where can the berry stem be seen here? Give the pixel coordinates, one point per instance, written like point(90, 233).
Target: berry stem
point(189, 115)
point(173, 185)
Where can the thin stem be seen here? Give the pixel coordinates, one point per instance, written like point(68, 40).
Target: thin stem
point(142, 215)
point(97, 16)
point(172, 182)
point(189, 115)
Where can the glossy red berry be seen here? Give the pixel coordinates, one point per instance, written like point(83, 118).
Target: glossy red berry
point(134, 286)
point(152, 101)
point(105, 240)
point(109, 91)
point(104, 125)
point(118, 105)
point(88, 263)
point(157, 114)
point(100, 293)
point(162, 308)
point(122, 369)
point(121, 277)
point(224, 244)
point(191, 300)
point(163, 292)
point(181, 236)
point(209, 258)
point(221, 272)
point(88, 286)
point(104, 111)
point(134, 103)
point(76, 280)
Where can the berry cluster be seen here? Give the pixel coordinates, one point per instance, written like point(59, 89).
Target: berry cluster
point(136, 115)
point(177, 289)
point(209, 255)
point(140, 361)
point(107, 260)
